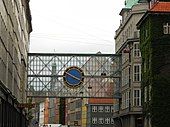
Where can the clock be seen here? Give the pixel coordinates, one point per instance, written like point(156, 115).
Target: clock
point(73, 77)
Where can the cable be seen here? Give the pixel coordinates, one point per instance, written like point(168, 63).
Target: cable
point(73, 41)
point(77, 37)
point(68, 26)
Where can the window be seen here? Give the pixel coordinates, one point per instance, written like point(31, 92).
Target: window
point(150, 88)
point(101, 120)
point(112, 121)
point(107, 108)
point(137, 97)
point(125, 76)
point(127, 100)
point(112, 108)
point(125, 54)
point(146, 33)
point(123, 100)
point(78, 115)
point(72, 117)
point(94, 108)
point(145, 94)
point(136, 34)
point(137, 73)
point(144, 65)
point(72, 106)
point(100, 109)
point(166, 28)
point(94, 120)
point(116, 107)
point(78, 104)
point(107, 120)
point(136, 51)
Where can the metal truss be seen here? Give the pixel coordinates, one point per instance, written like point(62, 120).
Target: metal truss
point(46, 73)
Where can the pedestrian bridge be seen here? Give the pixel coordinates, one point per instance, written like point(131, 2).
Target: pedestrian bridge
point(73, 75)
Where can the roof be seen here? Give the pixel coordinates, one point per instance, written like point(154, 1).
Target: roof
point(130, 3)
point(101, 101)
point(161, 7)
point(157, 8)
point(123, 10)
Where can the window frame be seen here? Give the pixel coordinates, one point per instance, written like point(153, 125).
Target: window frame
point(137, 74)
point(145, 94)
point(94, 120)
point(166, 28)
point(136, 50)
point(101, 120)
point(127, 100)
point(123, 100)
point(112, 108)
point(94, 108)
point(100, 108)
point(150, 94)
point(112, 121)
point(137, 99)
point(107, 120)
point(107, 108)
point(125, 76)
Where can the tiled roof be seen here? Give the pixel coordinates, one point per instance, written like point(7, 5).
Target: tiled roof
point(161, 7)
point(101, 101)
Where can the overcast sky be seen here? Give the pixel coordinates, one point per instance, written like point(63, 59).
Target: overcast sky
point(74, 26)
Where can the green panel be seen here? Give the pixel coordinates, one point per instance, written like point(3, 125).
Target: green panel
point(130, 3)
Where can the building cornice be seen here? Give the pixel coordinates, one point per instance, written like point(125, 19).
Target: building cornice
point(129, 40)
point(121, 27)
point(149, 13)
point(118, 115)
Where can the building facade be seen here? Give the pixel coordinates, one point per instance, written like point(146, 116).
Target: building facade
point(155, 48)
point(54, 111)
point(100, 112)
point(90, 112)
point(15, 27)
point(74, 112)
point(128, 107)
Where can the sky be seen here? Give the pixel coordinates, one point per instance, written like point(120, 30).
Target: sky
point(74, 26)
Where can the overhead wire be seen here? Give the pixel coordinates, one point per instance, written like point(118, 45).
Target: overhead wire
point(68, 26)
point(80, 42)
point(72, 37)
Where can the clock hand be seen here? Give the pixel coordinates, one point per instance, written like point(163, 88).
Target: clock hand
point(72, 76)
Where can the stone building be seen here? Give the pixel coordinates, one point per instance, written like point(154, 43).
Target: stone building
point(15, 27)
point(100, 112)
point(155, 49)
point(128, 107)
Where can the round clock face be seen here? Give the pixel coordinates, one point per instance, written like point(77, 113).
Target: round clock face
point(73, 76)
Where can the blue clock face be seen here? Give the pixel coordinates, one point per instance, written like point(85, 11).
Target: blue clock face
point(73, 76)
